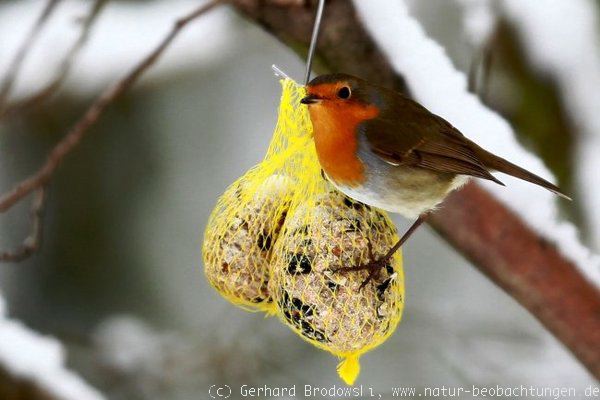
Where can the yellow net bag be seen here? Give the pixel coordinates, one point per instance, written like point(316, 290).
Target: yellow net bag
point(281, 235)
point(240, 235)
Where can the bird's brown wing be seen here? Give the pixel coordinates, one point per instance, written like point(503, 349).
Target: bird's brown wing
point(424, 140)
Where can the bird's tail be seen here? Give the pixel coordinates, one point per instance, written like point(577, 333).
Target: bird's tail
point(499, 164)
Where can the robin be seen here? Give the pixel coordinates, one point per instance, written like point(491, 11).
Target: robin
point(386, 150)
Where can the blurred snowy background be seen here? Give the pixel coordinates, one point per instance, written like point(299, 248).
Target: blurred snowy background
point(119, 278)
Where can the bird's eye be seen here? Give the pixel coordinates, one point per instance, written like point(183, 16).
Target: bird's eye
point(344, 93)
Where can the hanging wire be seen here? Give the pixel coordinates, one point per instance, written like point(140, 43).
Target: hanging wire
point(311, 50)
point(313, 39)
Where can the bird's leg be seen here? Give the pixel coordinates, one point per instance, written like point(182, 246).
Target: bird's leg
point(375, 265)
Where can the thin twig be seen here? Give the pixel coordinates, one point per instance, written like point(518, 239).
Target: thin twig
point(41, 178)
point(63, 70)
point(15, 66)
point(32, 242)
point(480, 70)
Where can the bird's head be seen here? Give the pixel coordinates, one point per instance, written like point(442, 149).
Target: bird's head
point(340, 90)
point(340, 97)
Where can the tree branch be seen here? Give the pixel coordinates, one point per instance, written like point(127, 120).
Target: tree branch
point(497, 241)
point(14, 388)
point(63, 70)
point(65, 146)
point(32, 242)
point(527, 267)
point(17, 62)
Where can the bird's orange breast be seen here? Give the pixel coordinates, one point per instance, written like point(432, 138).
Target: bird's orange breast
point(335, 134)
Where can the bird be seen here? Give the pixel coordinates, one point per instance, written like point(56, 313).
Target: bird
point(381, 148)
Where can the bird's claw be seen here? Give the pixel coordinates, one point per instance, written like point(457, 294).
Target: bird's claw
point(374, 267)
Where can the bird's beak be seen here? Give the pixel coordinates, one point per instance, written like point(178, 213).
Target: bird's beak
point(310, 99)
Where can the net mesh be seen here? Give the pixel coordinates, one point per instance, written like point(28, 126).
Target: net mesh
point(281, 235)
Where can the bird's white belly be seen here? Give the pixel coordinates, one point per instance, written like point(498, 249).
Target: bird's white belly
point(408, 202)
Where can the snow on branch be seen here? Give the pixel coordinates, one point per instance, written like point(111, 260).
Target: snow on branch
point(38, 362)
point(562, 41)
point(437, 84)
point(479, 20)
